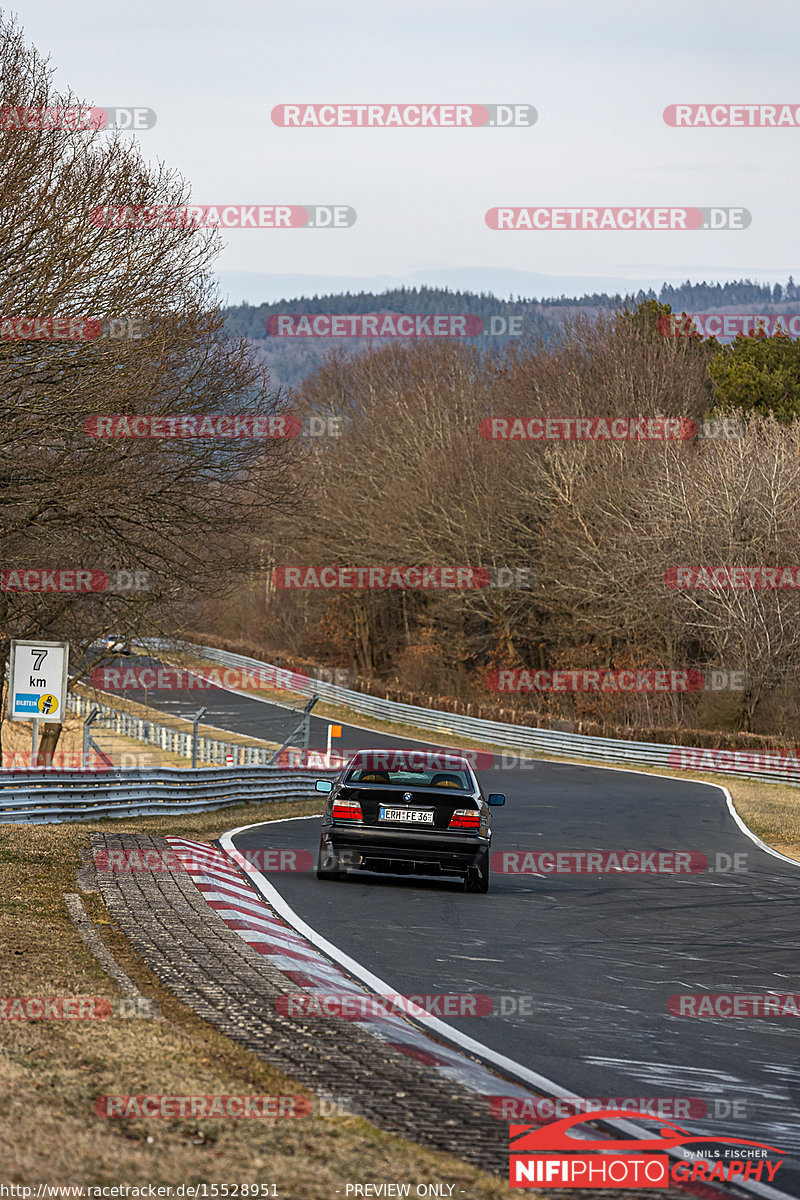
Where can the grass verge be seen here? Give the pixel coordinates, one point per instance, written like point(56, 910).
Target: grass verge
point(52, 1071)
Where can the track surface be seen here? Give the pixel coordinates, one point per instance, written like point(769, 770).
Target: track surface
point(600, 955)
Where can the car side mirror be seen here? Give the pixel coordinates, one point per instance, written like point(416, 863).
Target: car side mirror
point(323, 785)
point(497, 798)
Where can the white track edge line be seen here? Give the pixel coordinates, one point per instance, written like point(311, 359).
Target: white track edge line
point(281, 906)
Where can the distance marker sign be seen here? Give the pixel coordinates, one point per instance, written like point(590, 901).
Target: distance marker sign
point(38, 674)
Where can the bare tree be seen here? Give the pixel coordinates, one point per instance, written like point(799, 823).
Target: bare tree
point(188, 510)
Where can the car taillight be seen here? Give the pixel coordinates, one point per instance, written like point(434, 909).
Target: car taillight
point(347, 810)
point(465, 818)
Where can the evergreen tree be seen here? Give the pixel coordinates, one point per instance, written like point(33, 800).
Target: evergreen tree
point(757, 374)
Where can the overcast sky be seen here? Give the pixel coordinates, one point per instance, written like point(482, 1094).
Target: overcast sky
point(598, 72)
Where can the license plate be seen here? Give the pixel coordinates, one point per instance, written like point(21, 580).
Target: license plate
point(420, 816)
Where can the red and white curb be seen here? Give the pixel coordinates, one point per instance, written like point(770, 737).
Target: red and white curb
point(258, 924)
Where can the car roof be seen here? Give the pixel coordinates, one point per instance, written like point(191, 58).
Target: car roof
point(453, 759)
point(452, 762)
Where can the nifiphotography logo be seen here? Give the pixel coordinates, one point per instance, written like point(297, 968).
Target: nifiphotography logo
point(547, 1156)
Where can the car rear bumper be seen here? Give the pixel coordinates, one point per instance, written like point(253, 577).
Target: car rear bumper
point(404, 850)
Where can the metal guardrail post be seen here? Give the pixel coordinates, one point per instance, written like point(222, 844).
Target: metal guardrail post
point(201, 712)
point(761, 763)
point(89, 743)
point(303, 729)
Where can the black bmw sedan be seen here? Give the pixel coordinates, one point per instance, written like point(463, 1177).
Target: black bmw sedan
point(407, 812)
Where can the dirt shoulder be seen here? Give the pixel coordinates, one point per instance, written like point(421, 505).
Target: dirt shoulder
point(51, 1070)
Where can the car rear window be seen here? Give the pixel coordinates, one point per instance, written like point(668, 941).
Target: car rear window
point(428, 777)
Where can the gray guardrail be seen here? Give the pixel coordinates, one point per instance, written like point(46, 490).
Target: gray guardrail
point(774, 765)
point(43, 797)
point(166, 737)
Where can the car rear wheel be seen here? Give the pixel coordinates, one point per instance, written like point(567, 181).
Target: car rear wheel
point(327, 864)
point(477, 878)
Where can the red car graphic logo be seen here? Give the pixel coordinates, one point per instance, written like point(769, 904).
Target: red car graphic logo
point(531, 1138)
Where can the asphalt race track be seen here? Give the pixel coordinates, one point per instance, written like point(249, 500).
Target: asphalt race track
point(241, 713)
point(600, 955)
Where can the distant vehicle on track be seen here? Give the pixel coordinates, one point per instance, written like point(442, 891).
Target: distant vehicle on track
point(407, 812)
point(116, 644)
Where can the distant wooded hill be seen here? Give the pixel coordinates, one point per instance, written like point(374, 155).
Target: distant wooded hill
point(291, 359)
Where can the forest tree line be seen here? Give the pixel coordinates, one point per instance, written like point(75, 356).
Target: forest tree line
point(540, 321)
point(599, 524)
